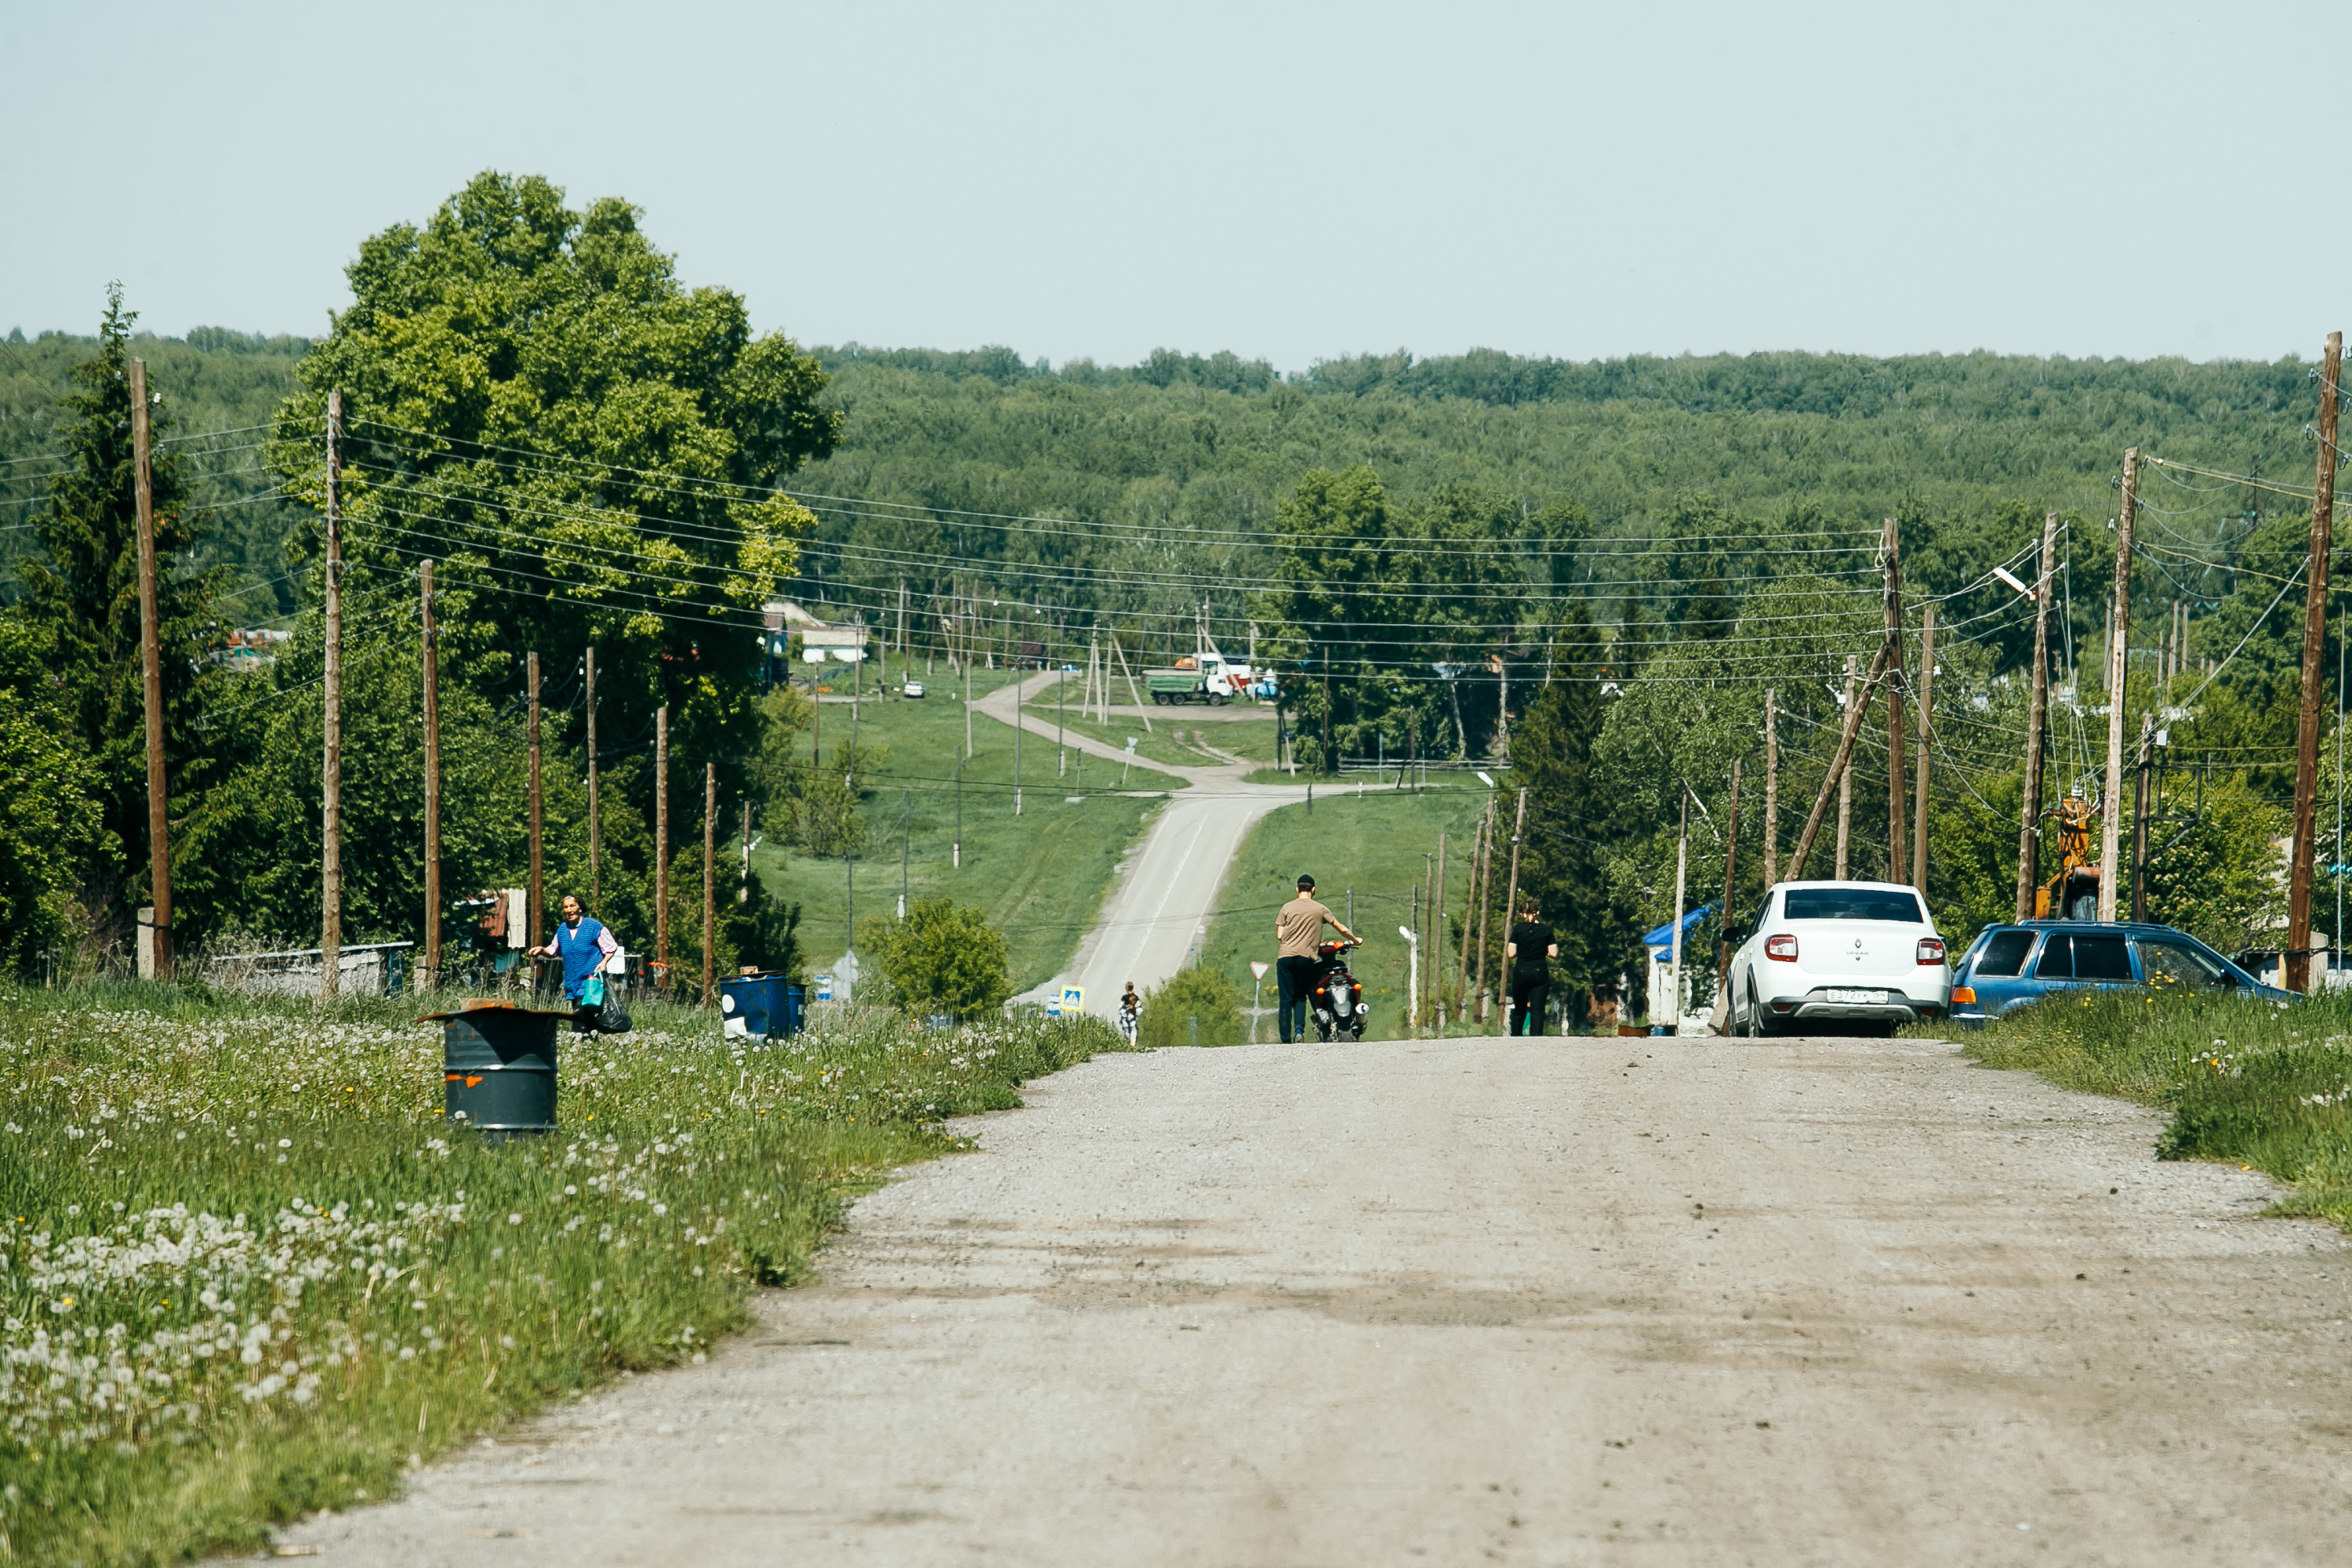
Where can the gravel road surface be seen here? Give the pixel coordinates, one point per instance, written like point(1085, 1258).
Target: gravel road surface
point(1640, 1302)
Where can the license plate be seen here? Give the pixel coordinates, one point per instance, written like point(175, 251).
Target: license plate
point(1866, 998)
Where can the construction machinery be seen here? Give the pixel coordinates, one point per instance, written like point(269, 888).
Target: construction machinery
point(2073, 893)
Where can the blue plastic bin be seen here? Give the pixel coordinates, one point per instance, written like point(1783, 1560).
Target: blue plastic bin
point(762, 1006)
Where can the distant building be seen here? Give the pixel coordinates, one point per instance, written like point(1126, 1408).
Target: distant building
point(819, 640)
point(251, 649)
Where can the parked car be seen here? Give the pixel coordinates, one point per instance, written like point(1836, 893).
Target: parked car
point(1862, 953)
point(913, 688)
point(2009, 967)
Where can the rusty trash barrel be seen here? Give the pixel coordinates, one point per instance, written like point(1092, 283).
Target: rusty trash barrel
point(498, 1068)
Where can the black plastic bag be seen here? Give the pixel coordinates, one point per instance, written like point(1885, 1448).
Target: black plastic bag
point(613, 1018)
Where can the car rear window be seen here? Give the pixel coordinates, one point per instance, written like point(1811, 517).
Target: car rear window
point(1851, 904)
point(2004, 955)
point(2083, 956)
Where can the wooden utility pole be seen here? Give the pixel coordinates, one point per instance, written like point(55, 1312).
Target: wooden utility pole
point(743, 877)
point(1328, 765)
point(1730, 881)
point(535, 903)
point(151, 670)
point(709, 881)
point(432, 778)
point(2139, 816)
point(1438, 931)
point(1891, 548)
point(1853, 727)
point(661, 848)
point(1772, 788)
point(2314, 637)
point(595, 817)
point(331, 847)
point(1511, 899)
point(1674, 932)
point(2037, 716)
point(2111, 824)
point(1926, 710)
point(1470, 906)
point(1845, 788)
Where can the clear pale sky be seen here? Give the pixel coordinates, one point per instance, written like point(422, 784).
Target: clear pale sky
point(1290, 182)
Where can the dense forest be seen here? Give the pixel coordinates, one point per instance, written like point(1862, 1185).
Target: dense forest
point(1621, 555)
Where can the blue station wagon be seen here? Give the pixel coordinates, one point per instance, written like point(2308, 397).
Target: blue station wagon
point(2009, 967)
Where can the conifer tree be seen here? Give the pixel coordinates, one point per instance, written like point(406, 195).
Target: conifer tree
point(81, 607)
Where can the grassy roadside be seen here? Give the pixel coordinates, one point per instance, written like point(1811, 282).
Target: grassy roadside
point(1373, 844)
point(1039, 877)
point(250, 1272)
point(2259, 1085)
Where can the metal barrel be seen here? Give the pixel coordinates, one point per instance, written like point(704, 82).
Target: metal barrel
point(761, 1006)
point(497, 1066)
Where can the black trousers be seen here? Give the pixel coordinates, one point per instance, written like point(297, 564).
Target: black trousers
point(1294, 980)
point(1528, 998)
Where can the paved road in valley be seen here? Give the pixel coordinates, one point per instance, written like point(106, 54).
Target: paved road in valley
point(1581, 1301)
point(1169, 884)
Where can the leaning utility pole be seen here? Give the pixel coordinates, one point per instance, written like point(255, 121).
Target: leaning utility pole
point(151, 669)
point(1511, 899)
point(1772, 787)
point(1927, 708)
point(2139, 816)
point(331, 847)
point(1438, 930)
point(1329, 767)
point(1846, 735)
point(661, 848)
point(709, 880)
point(2037, 716)
point(1482, 882)
point(432, 779)
point(595, 819)
point(2111, 824)
point(2314, 637)
point(1470, 908)
point(1891, 548)
point(1846, 790)
point(535, 903)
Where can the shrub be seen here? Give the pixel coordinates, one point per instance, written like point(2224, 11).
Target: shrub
point(1203, 994)
point(945, 957)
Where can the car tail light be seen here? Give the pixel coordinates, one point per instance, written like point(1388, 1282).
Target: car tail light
point(1783, 948)
point(1964, 995)
point(1931, 950)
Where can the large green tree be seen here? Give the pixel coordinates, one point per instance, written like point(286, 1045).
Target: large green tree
point(80, 608)
point(588, 448)
point(52, 829)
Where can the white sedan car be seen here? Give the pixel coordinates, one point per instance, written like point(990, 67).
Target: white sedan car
point(1838, 952)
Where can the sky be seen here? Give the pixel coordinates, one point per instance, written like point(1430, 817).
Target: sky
point(1291, 181)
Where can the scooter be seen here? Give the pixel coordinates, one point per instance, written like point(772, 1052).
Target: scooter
point(1339, 997)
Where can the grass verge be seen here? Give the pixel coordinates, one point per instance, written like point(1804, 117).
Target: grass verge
point(2261, 1084)
point(1040, 876)
point(1369, 845)
point(247, 1271)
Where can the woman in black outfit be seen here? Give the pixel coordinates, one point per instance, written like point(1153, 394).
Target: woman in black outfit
point(1529, 951)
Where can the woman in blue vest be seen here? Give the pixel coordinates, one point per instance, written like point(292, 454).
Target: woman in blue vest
point(584, 944)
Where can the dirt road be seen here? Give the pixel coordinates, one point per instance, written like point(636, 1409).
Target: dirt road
point(1640, 1302)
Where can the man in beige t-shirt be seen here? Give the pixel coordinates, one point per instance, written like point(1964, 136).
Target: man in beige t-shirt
point(1298, 925)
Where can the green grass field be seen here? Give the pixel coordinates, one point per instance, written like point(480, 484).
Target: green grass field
point(2252, 1083)
point(1039, 877)
point(1373, 844)
point(251, 1271)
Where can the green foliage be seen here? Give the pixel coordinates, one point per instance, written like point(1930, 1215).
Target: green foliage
point(81, 607)
point(1196, 1007)
point(52, 830)
point(2253, 1083)
point(944, 957)
point(588, 448)
point(690, 1171)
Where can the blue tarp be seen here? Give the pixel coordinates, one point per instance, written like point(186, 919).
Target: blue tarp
point(1664, 935)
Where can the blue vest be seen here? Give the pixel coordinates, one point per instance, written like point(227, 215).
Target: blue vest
point(580, 953)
